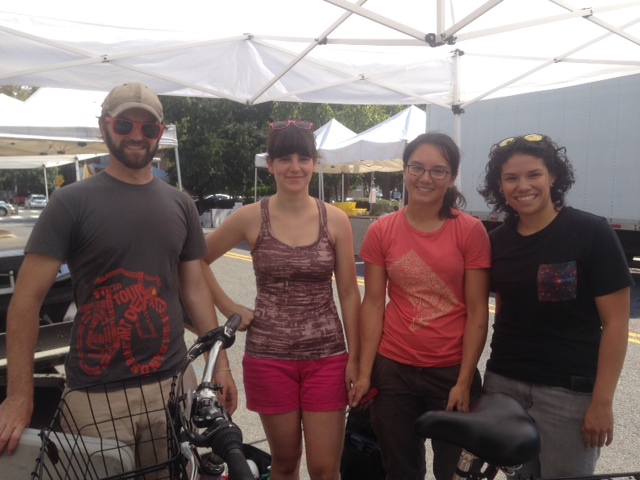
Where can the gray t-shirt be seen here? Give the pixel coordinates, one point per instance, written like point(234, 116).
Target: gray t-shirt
point(123, 244)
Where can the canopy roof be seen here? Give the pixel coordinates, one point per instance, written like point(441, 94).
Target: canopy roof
point(446, 52)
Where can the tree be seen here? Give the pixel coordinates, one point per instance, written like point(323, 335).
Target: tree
point(218, 143)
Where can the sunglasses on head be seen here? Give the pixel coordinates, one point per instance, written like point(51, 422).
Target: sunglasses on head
point(532, 137)
point(303, 125)
point(123, 127)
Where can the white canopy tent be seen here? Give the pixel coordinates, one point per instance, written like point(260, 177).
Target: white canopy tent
point(447, 52)
point(56, 127)
point(378, 149)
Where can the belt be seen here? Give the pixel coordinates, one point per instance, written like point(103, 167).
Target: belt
point(580, 384)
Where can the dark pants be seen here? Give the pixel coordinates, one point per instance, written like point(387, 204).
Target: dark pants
point(406, 392)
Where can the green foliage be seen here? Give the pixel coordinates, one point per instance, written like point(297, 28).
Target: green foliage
point(218, 141)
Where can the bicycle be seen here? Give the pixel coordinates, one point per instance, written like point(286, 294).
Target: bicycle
point(180, 426)
point(496, 435)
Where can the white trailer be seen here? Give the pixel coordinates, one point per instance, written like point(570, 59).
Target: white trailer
point(598, 123)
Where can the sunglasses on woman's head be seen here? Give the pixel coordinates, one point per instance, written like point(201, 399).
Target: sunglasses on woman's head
point(303, 125)
point(123, 127)
point(532, 137)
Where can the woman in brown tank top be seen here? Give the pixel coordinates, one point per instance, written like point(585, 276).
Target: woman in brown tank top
point(297, 373)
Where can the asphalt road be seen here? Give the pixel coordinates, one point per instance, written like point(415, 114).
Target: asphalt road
point(235, 274)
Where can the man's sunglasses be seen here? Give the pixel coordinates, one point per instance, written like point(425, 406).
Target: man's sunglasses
point(532, 137)
point(303, 125)
point(123, 127)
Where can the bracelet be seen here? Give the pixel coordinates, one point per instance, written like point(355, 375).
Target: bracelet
point(222, 370)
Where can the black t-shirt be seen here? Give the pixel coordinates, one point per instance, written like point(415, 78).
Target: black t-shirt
point(548, 328)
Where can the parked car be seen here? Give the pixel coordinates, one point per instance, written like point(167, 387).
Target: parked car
point(18, 199)
point(7, 209)
point(35, 201)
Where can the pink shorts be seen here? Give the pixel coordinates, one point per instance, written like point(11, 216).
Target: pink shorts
point(274, 387)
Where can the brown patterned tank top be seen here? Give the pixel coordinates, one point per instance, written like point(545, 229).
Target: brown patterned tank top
point(295, 314)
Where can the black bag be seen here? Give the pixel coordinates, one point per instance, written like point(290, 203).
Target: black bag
point(261, 458)
point(361, 458)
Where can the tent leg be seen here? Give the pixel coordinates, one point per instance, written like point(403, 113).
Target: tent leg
point(178, 168)
point(46, 186)
point(255, 184)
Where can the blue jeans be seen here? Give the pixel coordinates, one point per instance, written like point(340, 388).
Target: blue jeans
point(558, 414)
point(406, 392)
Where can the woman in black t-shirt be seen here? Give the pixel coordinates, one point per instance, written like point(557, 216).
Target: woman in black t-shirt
point(562, 289)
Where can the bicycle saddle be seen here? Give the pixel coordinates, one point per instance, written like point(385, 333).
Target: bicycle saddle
point(498, 430)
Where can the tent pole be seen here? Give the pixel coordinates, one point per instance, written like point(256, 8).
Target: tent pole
point(457, 111)
point(77, 163)
point(178, 168)
point(46, 186)
point(255, 184)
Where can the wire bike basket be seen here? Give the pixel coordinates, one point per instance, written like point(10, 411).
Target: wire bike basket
point(115, 430)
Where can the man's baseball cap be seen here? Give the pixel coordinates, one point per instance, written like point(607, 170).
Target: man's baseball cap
point(132, 95)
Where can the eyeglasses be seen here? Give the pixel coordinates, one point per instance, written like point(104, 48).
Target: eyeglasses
point(303, 125)
point(532, 137)
point(124, 127)
point(434, 173)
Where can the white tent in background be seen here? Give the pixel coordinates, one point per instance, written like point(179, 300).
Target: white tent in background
point(378, 149)
point(56, 126)
point(330, 133)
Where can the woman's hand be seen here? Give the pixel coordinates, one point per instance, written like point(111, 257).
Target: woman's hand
point(458, 399)
point(359, 390)
point(246, 314)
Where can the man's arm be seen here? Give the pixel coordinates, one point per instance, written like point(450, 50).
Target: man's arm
point(198, 302)
point(35, 277)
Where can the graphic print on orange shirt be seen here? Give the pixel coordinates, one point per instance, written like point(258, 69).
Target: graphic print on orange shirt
point(126, 314)
point(428, 294)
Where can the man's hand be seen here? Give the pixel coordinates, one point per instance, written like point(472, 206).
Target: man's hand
point(15, 415)
point(229, 390)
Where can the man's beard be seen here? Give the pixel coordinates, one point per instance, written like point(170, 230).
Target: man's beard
point(129, 161)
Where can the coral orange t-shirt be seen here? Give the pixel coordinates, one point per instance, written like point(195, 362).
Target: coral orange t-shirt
point(426, 313)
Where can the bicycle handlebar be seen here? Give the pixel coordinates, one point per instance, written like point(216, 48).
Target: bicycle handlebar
point(221, 434)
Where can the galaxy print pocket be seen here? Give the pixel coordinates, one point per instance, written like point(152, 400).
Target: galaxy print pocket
point(557, 282)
